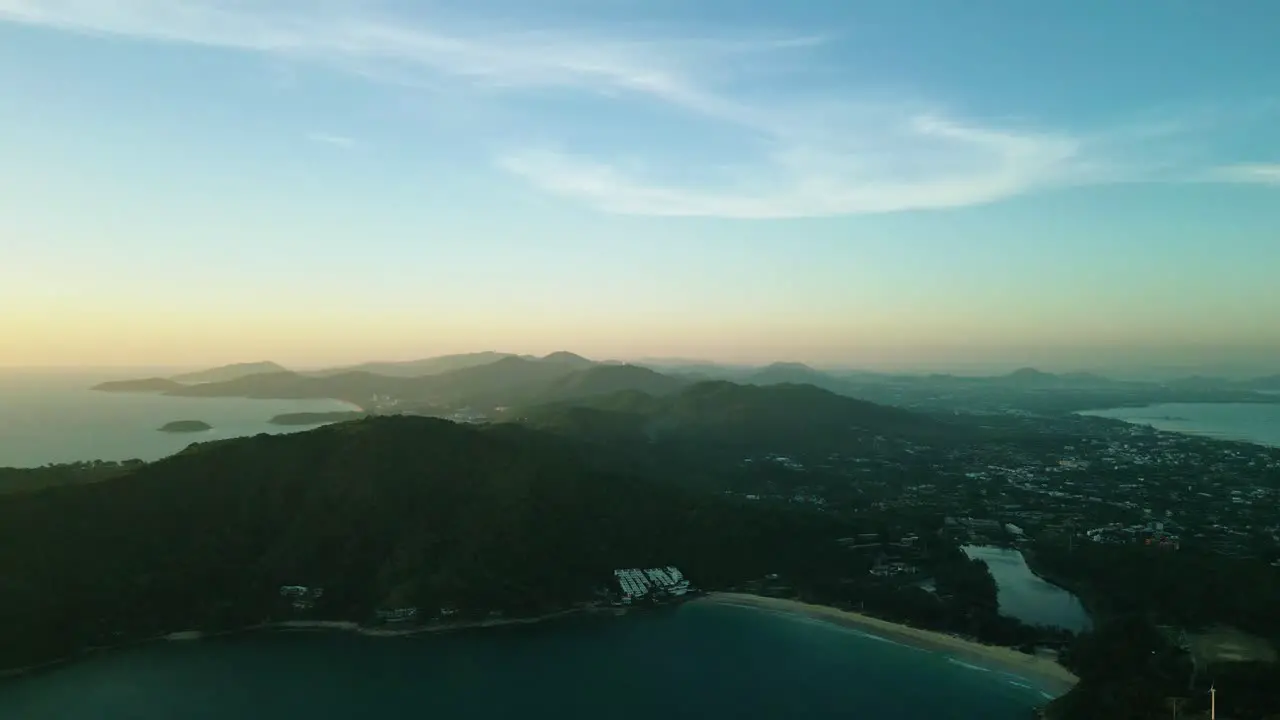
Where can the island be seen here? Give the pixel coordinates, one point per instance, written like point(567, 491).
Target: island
point(186, 426)
point(316, 418)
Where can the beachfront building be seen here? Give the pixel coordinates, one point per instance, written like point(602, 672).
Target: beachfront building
point(304, 598)
point(397, 614)
point(637, 583)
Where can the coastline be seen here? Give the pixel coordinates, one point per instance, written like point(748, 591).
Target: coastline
point(1044, 674)
point(1047, 675)
point(433, 627)
point(1175, 423)
point(304, 625)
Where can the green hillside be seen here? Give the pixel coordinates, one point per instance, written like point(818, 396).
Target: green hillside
point(381, 511)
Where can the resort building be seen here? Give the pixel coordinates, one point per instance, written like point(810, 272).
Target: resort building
point(636, 583)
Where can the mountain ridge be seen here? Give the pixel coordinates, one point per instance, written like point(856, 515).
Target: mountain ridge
point(780, 416)
point(478, 381)
point(229, 372)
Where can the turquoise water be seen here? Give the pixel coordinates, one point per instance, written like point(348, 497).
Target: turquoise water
point(54, 418)
point(1026, 597)
point(1250, 422)
point(698, 661)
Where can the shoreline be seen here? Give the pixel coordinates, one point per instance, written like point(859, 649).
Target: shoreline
point(1046, 675)
point(304, 625)
point(408, 631)
point(1162, 424)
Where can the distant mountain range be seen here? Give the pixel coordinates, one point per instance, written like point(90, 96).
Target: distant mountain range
point(490, 379)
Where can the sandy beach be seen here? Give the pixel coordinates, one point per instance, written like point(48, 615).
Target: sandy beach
point(1044, 673)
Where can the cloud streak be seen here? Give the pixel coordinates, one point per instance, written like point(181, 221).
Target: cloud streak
point(856, 160)
point(338, 141)
point(1249, 173)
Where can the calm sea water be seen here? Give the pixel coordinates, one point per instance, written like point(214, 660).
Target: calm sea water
point(1025, 596)
point(54, 417)
point(1251, 422)
point(699, 661)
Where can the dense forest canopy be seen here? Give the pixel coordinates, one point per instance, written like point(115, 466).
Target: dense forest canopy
point(382, 511)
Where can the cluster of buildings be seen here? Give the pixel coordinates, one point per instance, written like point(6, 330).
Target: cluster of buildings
point(304, 598)
point(1151, 533)
point(397, 614)
point(654, 582)
point(892, 569)
point(1158, 489)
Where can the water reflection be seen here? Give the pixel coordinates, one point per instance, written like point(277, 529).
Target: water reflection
point(1026, 597)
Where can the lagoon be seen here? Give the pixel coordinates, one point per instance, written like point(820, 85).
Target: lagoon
point(1027, 597)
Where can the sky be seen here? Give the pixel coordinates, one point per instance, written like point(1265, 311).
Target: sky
point(864, 183)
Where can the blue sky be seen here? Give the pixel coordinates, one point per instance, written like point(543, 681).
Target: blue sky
point(864, 182)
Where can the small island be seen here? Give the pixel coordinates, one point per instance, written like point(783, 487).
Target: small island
point(186, 426)
point(317, 418)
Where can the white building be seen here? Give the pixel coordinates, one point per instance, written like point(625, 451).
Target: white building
point(637, 583)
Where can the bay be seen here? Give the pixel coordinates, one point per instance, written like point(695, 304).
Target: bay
point(53, 417)
point(1257, 423)
point(700, 660)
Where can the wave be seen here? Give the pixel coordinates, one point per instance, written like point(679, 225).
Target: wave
point(1019, 684)
point(828, 624)
point(1010, 679)
point(878, 638)
point(963, 664)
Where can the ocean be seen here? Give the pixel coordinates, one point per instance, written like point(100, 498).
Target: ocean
point(48, 417)
point(698, 660)
point(1249, 422)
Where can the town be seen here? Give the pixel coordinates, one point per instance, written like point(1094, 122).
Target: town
point(1090, 480)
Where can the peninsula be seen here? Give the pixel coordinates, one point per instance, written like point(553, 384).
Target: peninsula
point(145, 385)
point(317, 418)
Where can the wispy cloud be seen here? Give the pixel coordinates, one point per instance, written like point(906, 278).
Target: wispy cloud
point(919, 162)
point(1255, 173)
point(857, 159)
point(338, 141)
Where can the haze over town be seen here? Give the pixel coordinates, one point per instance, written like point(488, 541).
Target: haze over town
point(195, 182)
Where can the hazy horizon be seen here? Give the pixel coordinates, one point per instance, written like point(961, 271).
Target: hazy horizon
point(882, 185)
point(1119, 368)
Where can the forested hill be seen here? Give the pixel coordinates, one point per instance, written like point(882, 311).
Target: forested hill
point(380, 512)
point(776, 417)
